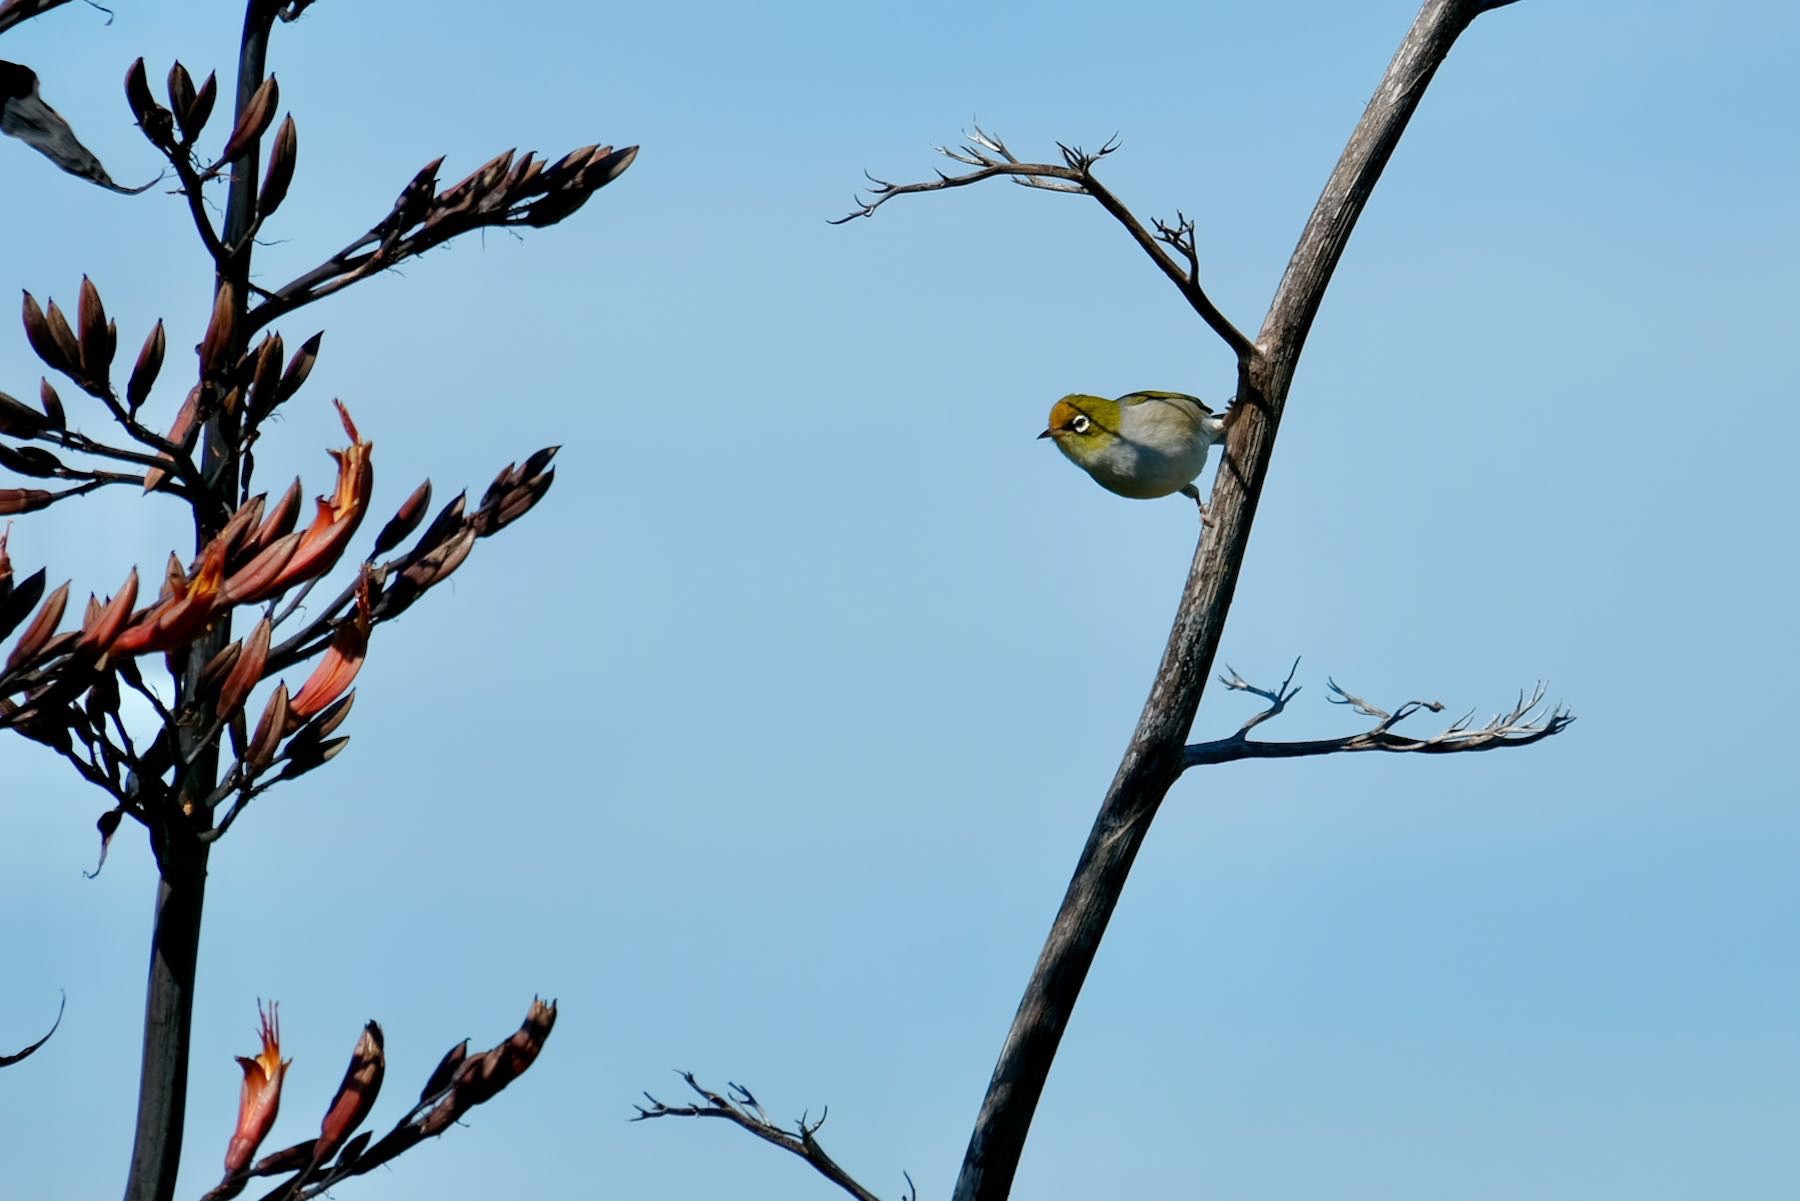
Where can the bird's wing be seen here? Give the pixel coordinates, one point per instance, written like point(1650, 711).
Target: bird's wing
point(1138, 398)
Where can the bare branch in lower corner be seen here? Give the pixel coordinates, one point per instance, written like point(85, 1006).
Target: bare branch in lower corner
point(739, 1106)
point(1528, 721)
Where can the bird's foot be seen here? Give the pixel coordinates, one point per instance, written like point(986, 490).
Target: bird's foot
point(1193, 494)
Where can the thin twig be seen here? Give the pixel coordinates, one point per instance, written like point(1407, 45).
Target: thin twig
point(738, 1106)
point(1277, 699)
point(992, 159)
point(193, 190)
point(1525, 723)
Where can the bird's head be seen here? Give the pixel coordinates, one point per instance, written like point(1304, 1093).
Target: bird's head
point(1083, 426)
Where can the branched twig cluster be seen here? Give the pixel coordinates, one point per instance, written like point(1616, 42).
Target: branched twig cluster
point(992, 159)
point(1528, 721)
point(740, 1107)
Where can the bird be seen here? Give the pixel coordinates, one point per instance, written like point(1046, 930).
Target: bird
point(1143, 445)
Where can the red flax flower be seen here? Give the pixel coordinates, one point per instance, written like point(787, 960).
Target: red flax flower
point(343, 658)
point(261, 1096)
point(355, 1096)
point(336, 519)
point(187, 607)
point(282, 562)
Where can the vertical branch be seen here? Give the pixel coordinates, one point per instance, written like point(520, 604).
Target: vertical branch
point(168, 1015)
point(1153, 760)
point(176, 832)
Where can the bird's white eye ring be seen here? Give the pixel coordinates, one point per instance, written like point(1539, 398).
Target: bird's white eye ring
point(1080, 424)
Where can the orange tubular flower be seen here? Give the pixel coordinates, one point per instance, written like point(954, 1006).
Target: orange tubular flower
point(187, 609)
point(337, 518)
point(261, 1097)
point(343, 658)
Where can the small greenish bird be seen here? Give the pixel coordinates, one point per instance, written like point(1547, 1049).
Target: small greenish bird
point(1142, 445)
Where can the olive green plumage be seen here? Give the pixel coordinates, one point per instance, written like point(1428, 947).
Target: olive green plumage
point(1142, 445)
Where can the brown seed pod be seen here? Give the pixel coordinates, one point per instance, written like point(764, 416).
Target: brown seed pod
point(281, 168)
point(37, 332)
point(149, 363)
point(254, 121)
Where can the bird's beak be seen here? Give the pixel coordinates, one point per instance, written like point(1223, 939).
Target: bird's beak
point(1048, 434)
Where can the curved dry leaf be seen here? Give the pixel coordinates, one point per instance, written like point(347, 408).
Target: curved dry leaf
point(9, 1060)
point(108, 825)
point(25, 115)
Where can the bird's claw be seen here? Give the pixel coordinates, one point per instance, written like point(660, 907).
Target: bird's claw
point(1193, 494)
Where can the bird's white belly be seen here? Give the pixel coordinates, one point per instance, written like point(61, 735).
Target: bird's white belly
point(1143, 472)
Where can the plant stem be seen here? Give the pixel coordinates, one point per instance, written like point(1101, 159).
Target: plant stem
point(176, 832)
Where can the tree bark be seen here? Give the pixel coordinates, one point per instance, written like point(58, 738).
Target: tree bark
point(1154, 759)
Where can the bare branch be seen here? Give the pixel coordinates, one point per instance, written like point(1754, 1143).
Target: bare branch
point(193, 191)
point(1277, 699)
point(1525, 723)
point(740, 1107)
point(1156, 755)
point(991, 158)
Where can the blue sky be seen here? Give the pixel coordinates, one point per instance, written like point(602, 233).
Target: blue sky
point(767, 743)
